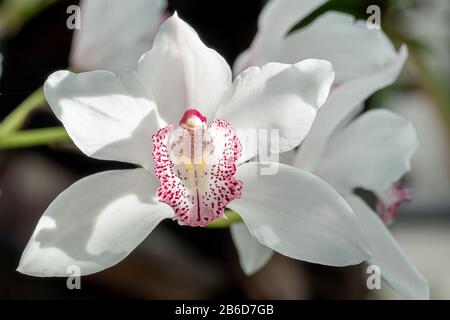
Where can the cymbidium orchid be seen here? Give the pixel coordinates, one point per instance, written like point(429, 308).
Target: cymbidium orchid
point(179, 116)
point(372, 152)
point(114, 34)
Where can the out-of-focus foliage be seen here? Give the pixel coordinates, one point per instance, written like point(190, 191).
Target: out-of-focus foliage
point(15, 13)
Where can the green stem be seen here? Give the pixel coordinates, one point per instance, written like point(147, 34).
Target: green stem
point(16, 118)
point(221, 223)
point(16, 13)
point(34, 137)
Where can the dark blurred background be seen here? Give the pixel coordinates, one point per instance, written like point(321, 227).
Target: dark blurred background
point(176, 262)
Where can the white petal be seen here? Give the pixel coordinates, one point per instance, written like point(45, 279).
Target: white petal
point(276, 96)
point(279, 17)
point(183, 73)
point(365, 60)
point(94, 224)
point(373, 152)
point(274, 22)
point(351, 47)
point(252, 255)
point(114, 34)
point(109, 117)
point(396, 269)
point(297, 214)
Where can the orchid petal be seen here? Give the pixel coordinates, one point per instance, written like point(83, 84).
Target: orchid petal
point(373, 152)
point(108, 116)
point(89, 224)
point(365, 61)
point(276, 96)
point(274, 22)
point(297, 214)
point(351, 47)
point(252, 255)
point(184, 73)
point(114, 34)
point(396, 269)
point(360, 71)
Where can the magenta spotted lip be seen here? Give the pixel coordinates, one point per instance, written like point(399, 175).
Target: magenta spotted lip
point(195, 165)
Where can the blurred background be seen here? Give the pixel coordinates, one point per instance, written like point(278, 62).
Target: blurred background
point(184, 263)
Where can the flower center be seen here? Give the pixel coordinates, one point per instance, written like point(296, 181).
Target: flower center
point(195, 164)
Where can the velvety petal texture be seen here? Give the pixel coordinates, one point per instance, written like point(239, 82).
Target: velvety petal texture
point(343, 102)
point(114, 34)
point(184, 73)
point(277, 18)
point(252, 254)
point(364, 59)
point(88, 225)
point(396, 269)
point(276, 96)
point(353, 48)
point(372, 152)
point(297, 214)
point(108, 116)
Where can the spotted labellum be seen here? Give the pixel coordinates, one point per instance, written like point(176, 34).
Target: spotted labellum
point(195, 165)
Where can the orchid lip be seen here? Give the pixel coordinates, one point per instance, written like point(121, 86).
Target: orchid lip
point(391, 200)
point(195, 165)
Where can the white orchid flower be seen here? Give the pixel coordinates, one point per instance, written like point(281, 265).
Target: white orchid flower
point(114, 33)
point(373, 152)
point(100, 219)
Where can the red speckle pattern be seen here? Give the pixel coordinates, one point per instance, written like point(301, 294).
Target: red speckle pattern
point(198, 191)
point(391, 200)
